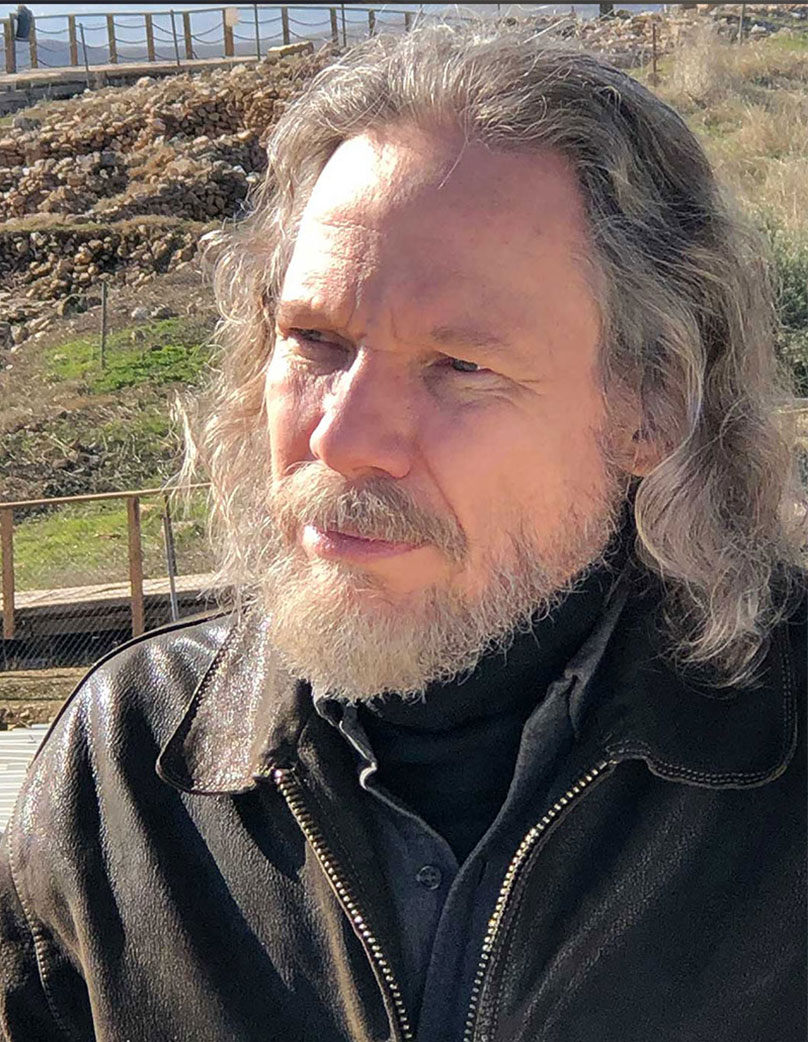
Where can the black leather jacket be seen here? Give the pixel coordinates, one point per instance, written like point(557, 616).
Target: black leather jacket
point(231, 895)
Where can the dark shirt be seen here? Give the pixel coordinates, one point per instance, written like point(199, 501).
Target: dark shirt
point(455, 782)
point(450, 757)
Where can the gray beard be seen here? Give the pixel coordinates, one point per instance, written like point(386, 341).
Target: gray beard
point(335, 627)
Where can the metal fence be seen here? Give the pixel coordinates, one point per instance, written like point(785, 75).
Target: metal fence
point(91, 40)
point(82, 574)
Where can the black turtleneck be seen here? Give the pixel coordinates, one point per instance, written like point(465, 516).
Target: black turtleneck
point(451, 757)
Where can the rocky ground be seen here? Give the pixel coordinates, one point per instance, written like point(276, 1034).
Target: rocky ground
point(120, 183)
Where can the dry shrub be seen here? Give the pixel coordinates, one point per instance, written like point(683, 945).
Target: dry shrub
point(704, 70)
point(751, 105)
point(708, 69)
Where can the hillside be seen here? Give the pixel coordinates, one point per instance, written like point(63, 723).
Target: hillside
point(118, 186)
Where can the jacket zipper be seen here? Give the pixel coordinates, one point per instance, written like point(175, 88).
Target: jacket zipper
point(520, 857)
point(292, 792)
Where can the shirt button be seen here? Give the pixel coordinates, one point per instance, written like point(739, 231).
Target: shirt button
point(429, 877)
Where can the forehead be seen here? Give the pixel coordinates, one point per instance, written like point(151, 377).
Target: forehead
point(428, 220)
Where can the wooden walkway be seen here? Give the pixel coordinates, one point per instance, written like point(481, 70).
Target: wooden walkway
point(21, 89)
point(74, 609)
point(17, 749)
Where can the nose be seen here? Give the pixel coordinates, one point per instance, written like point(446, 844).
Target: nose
point(367, 426)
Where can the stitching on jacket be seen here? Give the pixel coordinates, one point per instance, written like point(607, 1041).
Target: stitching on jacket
point(96, 666)
point(729, 776)
point(189, 716)
point(39, 943)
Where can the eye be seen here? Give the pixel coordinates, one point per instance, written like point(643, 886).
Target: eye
point(313, 336)
point(316, 345)
point(461, 366)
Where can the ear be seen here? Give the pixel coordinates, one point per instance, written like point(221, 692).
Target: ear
point(634, 449)
point(644, 453)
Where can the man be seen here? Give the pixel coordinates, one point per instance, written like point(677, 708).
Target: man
point(504, 738)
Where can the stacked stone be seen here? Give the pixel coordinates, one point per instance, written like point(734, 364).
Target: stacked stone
point(137, 175)
point(63, 261)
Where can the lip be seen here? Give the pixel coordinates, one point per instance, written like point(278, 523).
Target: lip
point(334, 545)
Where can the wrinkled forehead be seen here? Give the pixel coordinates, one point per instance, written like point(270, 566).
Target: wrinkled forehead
point(408, 171)
point(433, 211)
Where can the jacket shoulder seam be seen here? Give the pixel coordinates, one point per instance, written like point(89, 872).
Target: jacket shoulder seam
point(96, 666)
point(37, 938)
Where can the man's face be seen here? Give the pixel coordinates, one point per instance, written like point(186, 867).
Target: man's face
point(432, 411)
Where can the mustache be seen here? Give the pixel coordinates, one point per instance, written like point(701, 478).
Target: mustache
point(378, 508)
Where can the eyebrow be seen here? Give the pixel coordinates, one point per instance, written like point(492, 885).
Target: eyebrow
point(467, 336)
point(456, 337)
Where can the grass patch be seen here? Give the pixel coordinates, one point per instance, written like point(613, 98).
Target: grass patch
point(170, 350)
point(749, 106)
point(126, 444)
point(84, 544)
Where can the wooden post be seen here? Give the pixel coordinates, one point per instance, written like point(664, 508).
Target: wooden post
point(135, 565)
point(654, 53)
point(257, 33)
point(344, 27)
point(113, 43)
point(229, 48)
point(334, 27)
point(407, 20)
point(741, 17)
point(7, 548)
point(285, 25)
point(186, 28)
point(371, 23)
point(149, 37)
point(74, 44)
point(176, 39)
point(11, 52)
point(32, 45)
point(103, 325)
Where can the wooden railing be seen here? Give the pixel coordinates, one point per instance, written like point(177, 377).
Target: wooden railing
point(71, 41)
point(134, 540)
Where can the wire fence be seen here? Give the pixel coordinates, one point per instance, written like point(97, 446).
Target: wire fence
point(93, 41)
point(101, 39)
point(83, 574)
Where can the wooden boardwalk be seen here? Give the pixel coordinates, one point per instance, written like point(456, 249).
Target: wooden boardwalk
point(76, 609)
point(21, 89)
point(17, 749)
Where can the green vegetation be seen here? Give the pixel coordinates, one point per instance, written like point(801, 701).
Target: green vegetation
point(171, 350)
point(119, 437)
point(790, 255)
point(81, 544)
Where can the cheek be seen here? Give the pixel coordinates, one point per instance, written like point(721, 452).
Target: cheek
point(507, 463)
point(292, 410)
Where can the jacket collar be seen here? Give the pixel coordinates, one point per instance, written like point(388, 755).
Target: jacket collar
point(247, 713)
point(641, 707)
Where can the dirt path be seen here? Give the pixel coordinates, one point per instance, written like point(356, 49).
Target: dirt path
point(35, 696)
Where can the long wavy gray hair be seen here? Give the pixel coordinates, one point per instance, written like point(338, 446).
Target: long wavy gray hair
point(687, 318)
